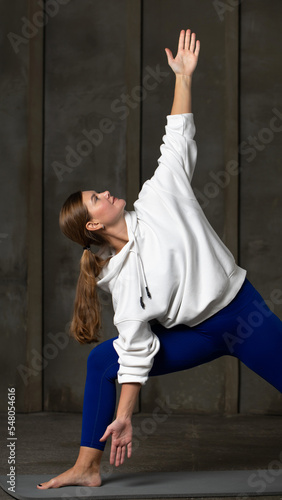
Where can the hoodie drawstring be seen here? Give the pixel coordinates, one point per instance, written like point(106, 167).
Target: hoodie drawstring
point(141, 273)
point(110, 272)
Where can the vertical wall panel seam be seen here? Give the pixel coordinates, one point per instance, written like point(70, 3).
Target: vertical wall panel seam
point(231, 189)
point(141, 80)
point(239, 175)
point(134, 122)
point(43, 200)
point(133, 10)
point(33, 391)
point(140, 128)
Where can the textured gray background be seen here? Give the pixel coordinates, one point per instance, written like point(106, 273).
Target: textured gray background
point(94, 51)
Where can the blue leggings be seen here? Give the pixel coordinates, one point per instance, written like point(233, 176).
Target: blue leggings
point(246, 329)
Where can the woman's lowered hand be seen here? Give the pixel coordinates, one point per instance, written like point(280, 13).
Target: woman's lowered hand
point(121, 432)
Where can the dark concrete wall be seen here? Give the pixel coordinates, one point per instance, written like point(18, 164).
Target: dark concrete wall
point(259, 196)
point(13, 205)
point(21, 217)
point(92, 56)
point(85, 72)
point(203, 388)
point(261, 177)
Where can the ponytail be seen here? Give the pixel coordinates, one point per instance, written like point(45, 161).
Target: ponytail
point(86, 322)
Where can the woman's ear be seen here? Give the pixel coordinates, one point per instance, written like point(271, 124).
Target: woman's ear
point(94, 226)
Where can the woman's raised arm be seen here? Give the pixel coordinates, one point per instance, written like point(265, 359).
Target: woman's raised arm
point(184, 65)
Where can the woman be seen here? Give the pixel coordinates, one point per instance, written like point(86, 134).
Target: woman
point(163, 262)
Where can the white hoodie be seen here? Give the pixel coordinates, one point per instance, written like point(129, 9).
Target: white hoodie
point(174, 267)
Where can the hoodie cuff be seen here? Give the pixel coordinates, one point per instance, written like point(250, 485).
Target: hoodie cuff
point(183, 124)
point(127, 379)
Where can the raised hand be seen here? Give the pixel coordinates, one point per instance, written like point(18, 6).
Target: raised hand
point(186, 58)
point(121, 432)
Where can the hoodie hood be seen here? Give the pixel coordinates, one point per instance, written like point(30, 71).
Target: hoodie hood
point(110, 272)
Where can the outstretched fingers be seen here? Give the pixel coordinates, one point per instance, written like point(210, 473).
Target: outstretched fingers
point(187, 40)
point(169, 56)
point(123, 452)
point(181, 42)
point(197, 51)
point(193, 42)
point(117, 455)
point(113, 454)
point(129, 450)
point(106, 434)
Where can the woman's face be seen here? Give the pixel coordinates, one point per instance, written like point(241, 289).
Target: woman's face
point(104, 209)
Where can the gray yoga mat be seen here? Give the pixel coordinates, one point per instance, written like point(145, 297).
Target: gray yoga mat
point(157, 485)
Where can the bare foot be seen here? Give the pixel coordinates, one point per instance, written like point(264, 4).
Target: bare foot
point(75, 476)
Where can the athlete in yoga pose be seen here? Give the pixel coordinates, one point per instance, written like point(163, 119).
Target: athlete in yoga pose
point(162, 261)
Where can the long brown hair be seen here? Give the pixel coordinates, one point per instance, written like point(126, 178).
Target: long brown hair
point(86, 321)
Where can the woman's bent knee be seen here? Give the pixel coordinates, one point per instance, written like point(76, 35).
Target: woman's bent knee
point(101, 356)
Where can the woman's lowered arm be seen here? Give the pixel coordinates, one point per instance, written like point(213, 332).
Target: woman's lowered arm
point(183, 66)
point(121, 428)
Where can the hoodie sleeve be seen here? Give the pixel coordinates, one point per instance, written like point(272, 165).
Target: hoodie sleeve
point(177, 161)
point(136, 347)
point(179, 150)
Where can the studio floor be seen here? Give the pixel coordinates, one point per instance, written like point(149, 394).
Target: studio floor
point(48, 443)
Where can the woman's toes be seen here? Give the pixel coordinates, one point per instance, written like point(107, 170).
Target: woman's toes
point(48, 484)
